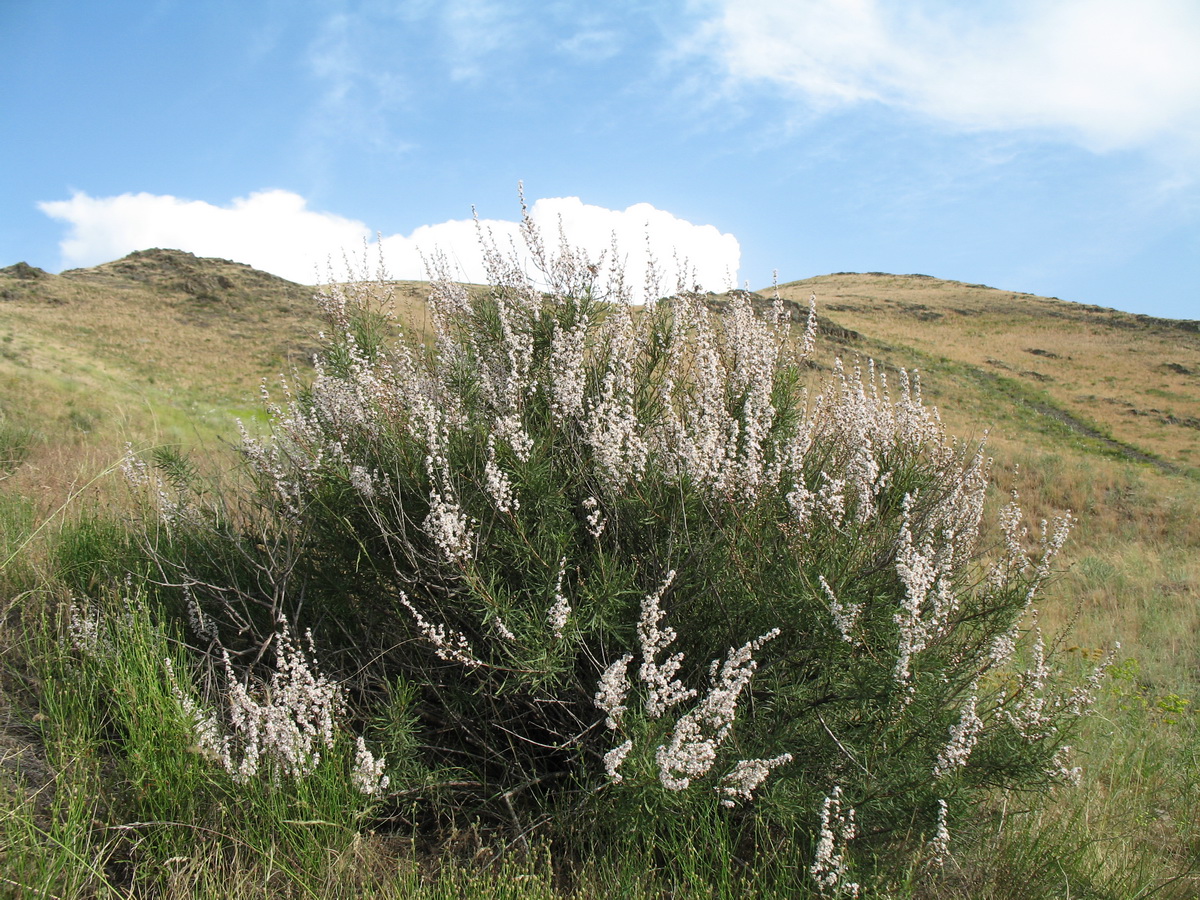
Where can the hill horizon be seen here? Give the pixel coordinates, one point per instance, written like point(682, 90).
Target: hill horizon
point(159, 327)
point(23, 270)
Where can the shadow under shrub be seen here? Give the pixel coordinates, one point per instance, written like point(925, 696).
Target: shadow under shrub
point(627, 569)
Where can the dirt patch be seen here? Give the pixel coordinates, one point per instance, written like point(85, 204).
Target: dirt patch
point(1165, 418)
point(921, 312)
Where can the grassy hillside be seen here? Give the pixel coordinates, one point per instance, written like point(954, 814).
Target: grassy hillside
point(1122, 383)
point(161, 340)
point(159, 347)
point(1089, 409)
point(149, 336)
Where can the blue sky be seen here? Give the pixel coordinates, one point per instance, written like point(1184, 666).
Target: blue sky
point(1049, 146)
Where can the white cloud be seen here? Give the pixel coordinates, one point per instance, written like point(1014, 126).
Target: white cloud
point(270, 230)
point(277, 232)
point(1107, 73)
point(642, 232)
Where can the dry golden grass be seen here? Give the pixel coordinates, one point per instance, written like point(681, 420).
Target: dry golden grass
point(1134, 378)
point(157, 348)
point(161, 323)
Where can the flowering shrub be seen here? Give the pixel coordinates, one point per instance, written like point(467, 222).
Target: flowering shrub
point(283, 730)
point(616, 552)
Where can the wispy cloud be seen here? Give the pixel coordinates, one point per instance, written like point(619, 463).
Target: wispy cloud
point(474, 30)
point(591, 44)
point(360, 89)
point(1107, 74)
point(277, 232)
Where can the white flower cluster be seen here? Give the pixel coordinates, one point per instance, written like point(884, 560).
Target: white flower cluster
point(1053, 537)
point(613, 759)
point(663, 690)
point(1083, 696)
point(173, 506)
point(200, 623)
point(938, 846)
point(498, 484)
point(809, 339)
point(1030, 713)
point(830, 865)
point(446, 523)
point(85, 626)
point(845, 615)
point(449, 645)
point(859, 427)
point(697, 735)
point(1004, 646)
point(94, 633)
point(1060, 766)
point(596, 521)
point(927, 574)
point(282, 726)
point(561, 609)
point(692, 749)
point(616, 436)
point(502, 629)
point(206, 724)
point(717, 398)
point(568, 377)
point(610, 695)
point(363, 482)
point(1035, 711)
point(963, 737)
point(746, 776)
point(1014, 558)
point(367, 774)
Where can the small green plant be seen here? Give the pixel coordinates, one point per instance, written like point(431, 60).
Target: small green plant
point(146, 770)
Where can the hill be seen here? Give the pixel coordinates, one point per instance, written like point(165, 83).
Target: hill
point(162, 344)
point(150, 328)
point(1109, 381)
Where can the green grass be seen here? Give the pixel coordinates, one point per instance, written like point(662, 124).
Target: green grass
point(127, 787)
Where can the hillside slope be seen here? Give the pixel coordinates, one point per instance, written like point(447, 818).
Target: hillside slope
point(162, 343)
point(1123, 384)
point(153, 327)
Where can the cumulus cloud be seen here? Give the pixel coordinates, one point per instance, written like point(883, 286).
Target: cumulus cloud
point(1106, 73)
point(276, 231)
point(271, 230)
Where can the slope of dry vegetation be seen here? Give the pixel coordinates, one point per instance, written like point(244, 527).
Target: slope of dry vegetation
point(1090, 410)
point(1130, 383)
